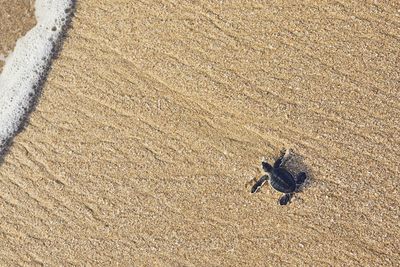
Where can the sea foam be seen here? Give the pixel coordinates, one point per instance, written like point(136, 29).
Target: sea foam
point(26, 67)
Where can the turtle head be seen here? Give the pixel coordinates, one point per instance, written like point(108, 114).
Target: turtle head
point(266, 166)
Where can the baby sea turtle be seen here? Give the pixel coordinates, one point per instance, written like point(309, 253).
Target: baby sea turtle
point(280, 179)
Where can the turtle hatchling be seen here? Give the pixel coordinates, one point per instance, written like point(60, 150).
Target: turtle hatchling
point(280, 179)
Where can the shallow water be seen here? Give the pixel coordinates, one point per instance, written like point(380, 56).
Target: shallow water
point(16, 18)
point(26, 66)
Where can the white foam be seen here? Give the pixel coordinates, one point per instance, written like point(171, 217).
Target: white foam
point(26, 65)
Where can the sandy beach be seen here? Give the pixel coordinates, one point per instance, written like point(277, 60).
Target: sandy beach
point(155, 118)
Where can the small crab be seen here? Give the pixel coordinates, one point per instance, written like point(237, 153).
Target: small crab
point(280, 179)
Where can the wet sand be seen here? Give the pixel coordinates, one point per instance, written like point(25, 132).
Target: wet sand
point(155, 118)
point(16, 18)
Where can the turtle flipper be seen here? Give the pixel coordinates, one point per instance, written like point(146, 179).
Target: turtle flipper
point(285, 199)
point(300, 178)
point(256, 187)
point(282, 158)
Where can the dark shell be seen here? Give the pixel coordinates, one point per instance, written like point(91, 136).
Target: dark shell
point(282, 181)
